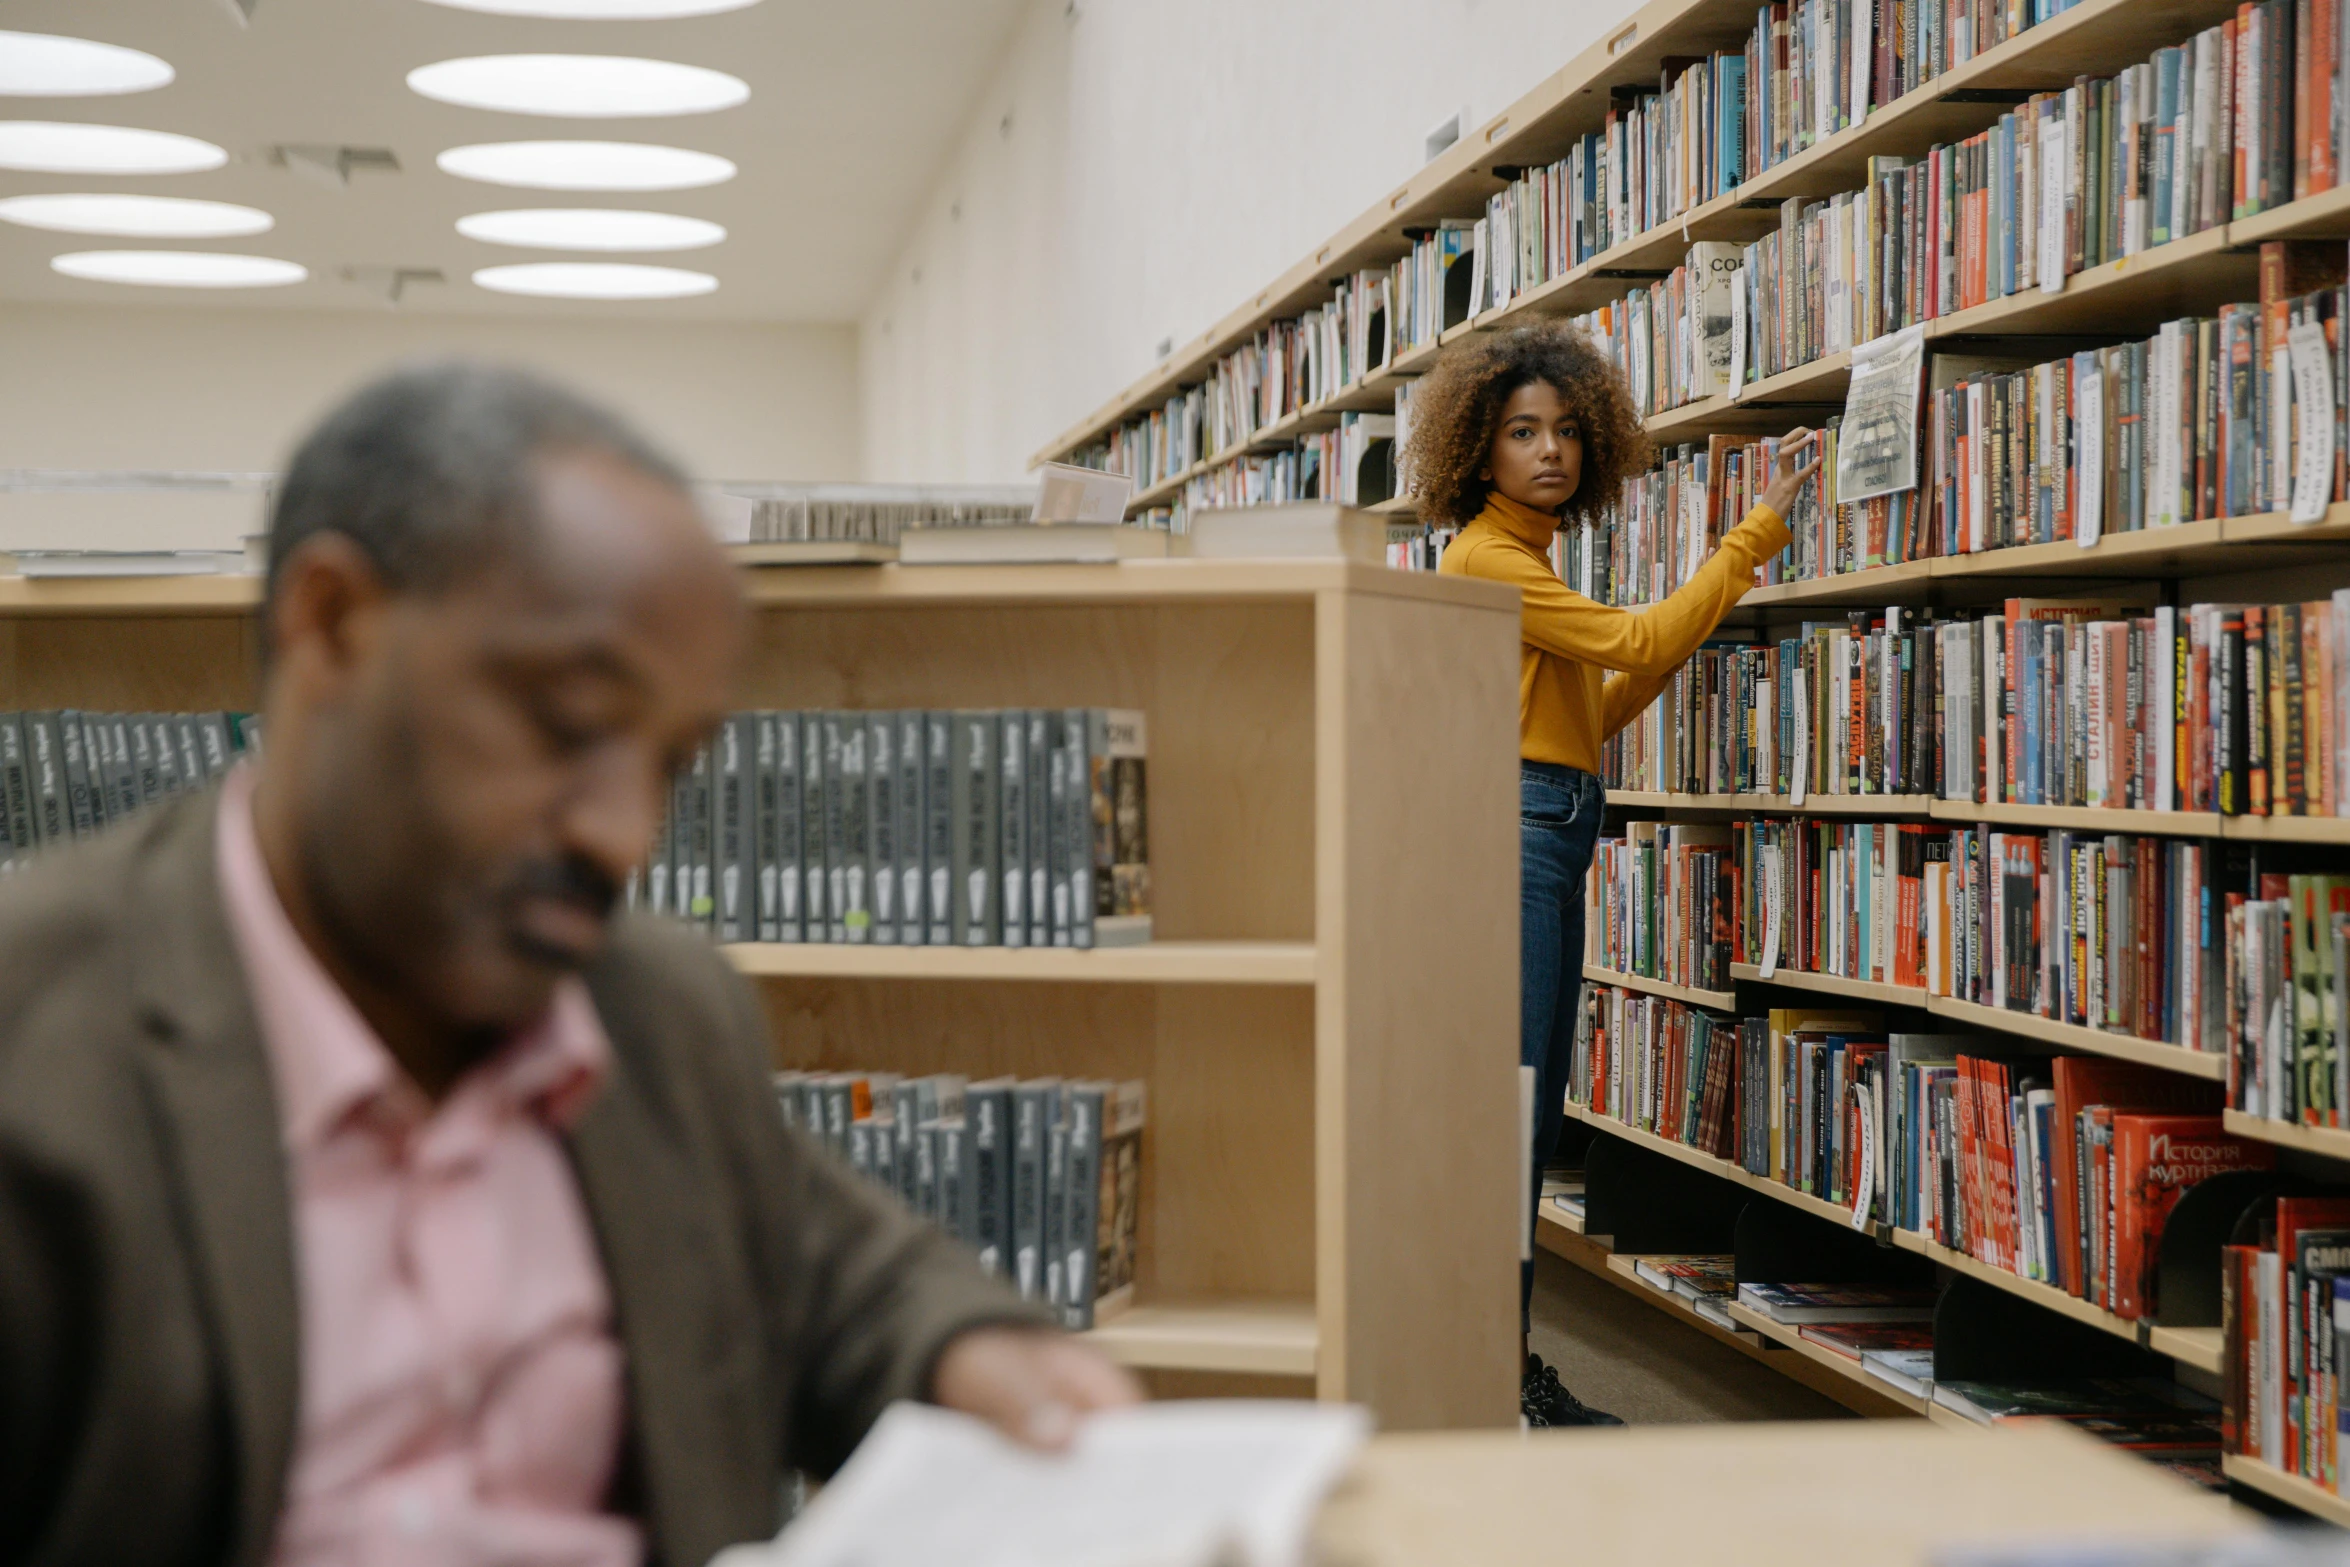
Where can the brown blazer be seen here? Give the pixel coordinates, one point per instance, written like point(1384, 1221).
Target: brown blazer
point(768, 1303)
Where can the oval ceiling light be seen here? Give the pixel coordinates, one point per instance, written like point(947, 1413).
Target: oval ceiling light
point(44, 65)
point(585, 228)
point(143, 217)
point(586, 165)
point(47, 147)
point(600, 10)
point(179, 268)
point(578, 86)
point(595, 280)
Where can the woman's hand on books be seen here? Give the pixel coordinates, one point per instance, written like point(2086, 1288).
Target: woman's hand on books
point(1786, 477)
point(1032, 1384)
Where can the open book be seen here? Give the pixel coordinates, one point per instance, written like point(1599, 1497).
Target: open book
point(1200, 1483)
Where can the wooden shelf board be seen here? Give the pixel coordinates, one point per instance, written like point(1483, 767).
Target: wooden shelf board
point(2287, 829)
point(1834, 985)
point(225, 594)
point(2083, 818)
point(1572, 1223)
point(1175, 579)
point(1886, 805)
point(2076, 1036)
point(1166, 489)
point(2276, 527)
point(2033, 1290)
point(1269, 1338)
point(2313, 217)
point(1395, 506)
point(2330, 1142)
point(1787, 1337)
point(1728, 1170)
point(2197, 1347)
point(1151, 963)
point(2184, 546)
point(1851, 587)
point(1720, 999)
point(2292, 1490)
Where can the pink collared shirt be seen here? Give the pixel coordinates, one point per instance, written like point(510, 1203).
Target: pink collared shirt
point(460, 1382)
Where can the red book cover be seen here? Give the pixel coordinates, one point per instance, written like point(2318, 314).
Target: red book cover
point(2081, 1081)
point(1970, 1182)
point(2155, 1159)
point(2235, 1338)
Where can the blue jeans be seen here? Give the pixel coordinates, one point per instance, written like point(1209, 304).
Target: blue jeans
point(1558, 829)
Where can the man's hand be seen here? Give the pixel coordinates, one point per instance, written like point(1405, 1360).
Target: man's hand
point(1029, 1383)
point(1786, 478)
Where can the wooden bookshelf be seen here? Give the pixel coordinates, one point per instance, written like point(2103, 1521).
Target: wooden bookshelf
point(2270, 1481)
point(2082, 818)
point(2046, 1295)
point(2327, 1142)
point(2078, 818)
point(1721, 1000)
point(1890, 806)
point(1728, 1169)
point(1790, 1338)
point(2076, 1036)
point(1289, 1029)
point(2197, 1347)
point(1835, 985)
point(1154, 963)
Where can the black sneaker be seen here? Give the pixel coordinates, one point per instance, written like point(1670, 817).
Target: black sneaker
point(1545, 1401)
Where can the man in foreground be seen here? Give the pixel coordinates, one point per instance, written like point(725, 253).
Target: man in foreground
point(369, 1191)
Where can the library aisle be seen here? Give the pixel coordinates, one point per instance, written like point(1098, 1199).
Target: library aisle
point(752, 754)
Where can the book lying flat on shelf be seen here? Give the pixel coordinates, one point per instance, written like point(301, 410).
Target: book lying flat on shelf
point(1855, 1339)
point(1031, 544)
point(1198, 1483)
point(1689, 1277)
point(131, 563)
point(1987, 1402)
point(1909, 1371)
point(1800, 1303)
point(1309, 531)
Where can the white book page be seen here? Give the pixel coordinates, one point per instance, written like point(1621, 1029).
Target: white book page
point(2313, 419)
point(2089, 443)
point(2052, 183)
point(1194, 1483)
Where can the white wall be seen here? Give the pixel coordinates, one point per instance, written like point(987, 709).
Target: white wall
point(167, 388)
point(1162, 163)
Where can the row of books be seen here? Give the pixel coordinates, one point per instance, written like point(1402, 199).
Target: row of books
point(2234, 709)
point(1659, 902)
point(2284, 1306)
point(2287, 1002)
point(2062, 1171)
point(68, 774)
point(973, 827)
point(876, 516)
point(1042, 1177)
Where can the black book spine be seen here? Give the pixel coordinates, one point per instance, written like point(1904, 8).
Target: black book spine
point(16, 785)
point(881, 824)
point(45, 762)
point(912, 825)
point(766, 856)
point(938, 827)
point(815, 878)
point(73, 740)
point(1012, 825)
point(1039, 834)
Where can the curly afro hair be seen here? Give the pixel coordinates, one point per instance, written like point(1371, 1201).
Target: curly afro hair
point(1455, 411)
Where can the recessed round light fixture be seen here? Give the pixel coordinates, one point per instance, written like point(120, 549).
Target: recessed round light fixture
point(179, 268)
point(586, 165)
point(44, 65)
point(47, 147)
point(595, 280)
point(145, 217)
point(600, 10)
point(584, 228)
point(578, 86)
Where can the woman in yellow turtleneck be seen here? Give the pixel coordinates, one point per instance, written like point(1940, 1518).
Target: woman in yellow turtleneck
point(1510, 435)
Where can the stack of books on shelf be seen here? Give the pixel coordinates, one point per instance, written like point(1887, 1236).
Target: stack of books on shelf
point(871, 514)
point(1705, 1282)
point(2283, 1310)
point(1041, 1177)
point(1888, 1331)
point(2287, 998)
point(2165, 1423)
point(976, 827)
point(68, 774)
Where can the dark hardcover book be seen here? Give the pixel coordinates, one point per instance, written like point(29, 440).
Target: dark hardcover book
point(1034, 1103)
point(955, 1214)
point(854, 918)
point(938, 827)
point(840, 1093)
point(212, 733)
point(193, 772)
point(885, 1150)
point(926, 1170)
point(811, 1086)
point(767, 852)
point(1012, 825)
point(701, 846)
point(16, 796)
point(122, 773)
point(906, 1117)
point(1039, 832)
point(45, 766)
point(814, 925)
point(987, 1106)
point(975, 846)
point(861, 1147)
point(81, 801)
point(736, 746)
point(1116, 756)
point(146, 781)
point(1082, 1212)
point(165, 747)
point(831, 764)
point(1052, 896)
point(787, 1097)
point(1076, 831)
point(881, 824)
point(913, 923)
point(1055, 1238)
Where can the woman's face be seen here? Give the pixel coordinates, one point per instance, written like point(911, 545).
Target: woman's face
point(1537, 455)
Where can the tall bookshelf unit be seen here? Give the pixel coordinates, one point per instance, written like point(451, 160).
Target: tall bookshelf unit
point(2255, 558)
point(1327, 1020)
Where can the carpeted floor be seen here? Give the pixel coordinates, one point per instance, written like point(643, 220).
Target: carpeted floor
point(1626, 1357)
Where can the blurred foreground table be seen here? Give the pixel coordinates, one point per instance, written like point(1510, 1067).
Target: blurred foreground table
point(1808, 1495)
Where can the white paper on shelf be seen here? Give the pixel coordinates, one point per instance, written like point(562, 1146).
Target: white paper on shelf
point(1771, 916)
point(2089, 506)
point(1864, 1190)
point(2313, 414)
point(1802, 767)
point(2052, 186)
point(1737, 334)
point(1877, 449)
point(1195, 1483)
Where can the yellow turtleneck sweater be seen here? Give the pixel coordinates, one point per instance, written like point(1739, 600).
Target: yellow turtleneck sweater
point(1565, 711)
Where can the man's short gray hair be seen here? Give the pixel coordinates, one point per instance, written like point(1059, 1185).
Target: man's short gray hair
point(428, 470)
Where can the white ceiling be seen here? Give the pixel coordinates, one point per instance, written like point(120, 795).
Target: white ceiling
point(854, 105)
